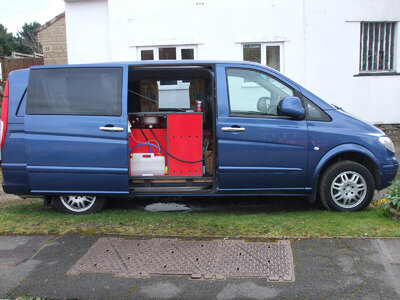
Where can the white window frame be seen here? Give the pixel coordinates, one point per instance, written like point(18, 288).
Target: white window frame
point(178, 51)
point(264, 45)
point(180, 85)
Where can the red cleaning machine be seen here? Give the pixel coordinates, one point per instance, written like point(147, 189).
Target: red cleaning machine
point(185, 142)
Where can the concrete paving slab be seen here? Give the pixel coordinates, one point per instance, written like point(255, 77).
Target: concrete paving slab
point(389, 260)
point(16, 261)
point(16, 249)
point(11, 277)
point(391, 248)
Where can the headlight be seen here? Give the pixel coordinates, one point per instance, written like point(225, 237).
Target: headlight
point(387, 142)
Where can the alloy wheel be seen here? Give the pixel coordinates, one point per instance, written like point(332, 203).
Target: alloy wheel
point(78, 203)
point(348, 189)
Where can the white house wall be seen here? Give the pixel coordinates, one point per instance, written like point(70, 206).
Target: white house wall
point(320, 38)
point(88, 28)
point(333, 58)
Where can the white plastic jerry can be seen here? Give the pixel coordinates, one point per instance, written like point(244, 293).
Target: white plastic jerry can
point(147, 164)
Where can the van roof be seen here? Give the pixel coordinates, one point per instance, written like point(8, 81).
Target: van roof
point(155, 63)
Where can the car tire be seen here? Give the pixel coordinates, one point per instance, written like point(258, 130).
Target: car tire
point(346, 186)
point(78, 204)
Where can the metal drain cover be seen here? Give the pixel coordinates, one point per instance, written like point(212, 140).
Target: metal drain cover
point(207, 259)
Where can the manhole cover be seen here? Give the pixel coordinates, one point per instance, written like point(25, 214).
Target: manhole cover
point(198, 259)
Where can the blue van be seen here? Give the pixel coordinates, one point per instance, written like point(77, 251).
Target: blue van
point(77, 134)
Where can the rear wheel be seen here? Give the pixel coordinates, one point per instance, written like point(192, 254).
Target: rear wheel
point(346, 186)
point(78, 204)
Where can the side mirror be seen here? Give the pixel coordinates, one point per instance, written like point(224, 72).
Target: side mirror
point(291, 107)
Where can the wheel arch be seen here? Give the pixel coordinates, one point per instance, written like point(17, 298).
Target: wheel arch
point(352, 152)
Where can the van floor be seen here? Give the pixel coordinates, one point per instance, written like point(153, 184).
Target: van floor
point(170, 184)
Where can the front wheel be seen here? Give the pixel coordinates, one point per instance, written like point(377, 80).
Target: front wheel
point(346, 186)
point(78, 204)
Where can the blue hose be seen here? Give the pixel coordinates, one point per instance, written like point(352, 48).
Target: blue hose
point(145, 144)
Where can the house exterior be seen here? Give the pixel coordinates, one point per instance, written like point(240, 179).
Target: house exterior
point(347, 52)
point(52, 37)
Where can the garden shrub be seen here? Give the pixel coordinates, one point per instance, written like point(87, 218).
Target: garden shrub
point(394, 195)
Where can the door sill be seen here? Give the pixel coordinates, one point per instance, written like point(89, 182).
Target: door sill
point(171, 190)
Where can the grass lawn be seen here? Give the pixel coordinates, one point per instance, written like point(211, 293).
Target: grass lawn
point(32, 217)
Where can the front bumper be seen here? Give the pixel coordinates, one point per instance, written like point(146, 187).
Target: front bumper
point(388, 173)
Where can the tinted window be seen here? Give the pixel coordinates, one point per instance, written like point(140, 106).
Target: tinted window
point(255, 93)
point(75, 91)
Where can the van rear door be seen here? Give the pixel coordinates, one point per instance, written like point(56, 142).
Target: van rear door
point(76, 130)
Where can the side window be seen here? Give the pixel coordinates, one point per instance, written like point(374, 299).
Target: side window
point(314, 113)
point(263, 53)
point(75, 91)
point(255, 93)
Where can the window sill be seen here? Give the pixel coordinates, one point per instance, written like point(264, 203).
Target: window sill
point(377, 74)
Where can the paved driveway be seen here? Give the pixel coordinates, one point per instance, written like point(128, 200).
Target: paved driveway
point(324, 268)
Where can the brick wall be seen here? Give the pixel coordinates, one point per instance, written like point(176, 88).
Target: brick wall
point(54, 43)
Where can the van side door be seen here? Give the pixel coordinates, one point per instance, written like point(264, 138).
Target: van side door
point(259, 151)
point(76, 130)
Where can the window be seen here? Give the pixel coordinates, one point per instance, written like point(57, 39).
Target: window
point(75, 91)
point(187, 53)
point(376, 46)
point(166, 53)
point(273, 57)
point(252, 52)
point(147, 55)
point(262, 97)
point(314, 113)
point(266, 54)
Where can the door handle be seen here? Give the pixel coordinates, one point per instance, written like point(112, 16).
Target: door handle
point(111, 128)
point(230, 129)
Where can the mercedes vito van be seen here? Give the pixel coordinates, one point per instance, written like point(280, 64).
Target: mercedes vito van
point(77, 134)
